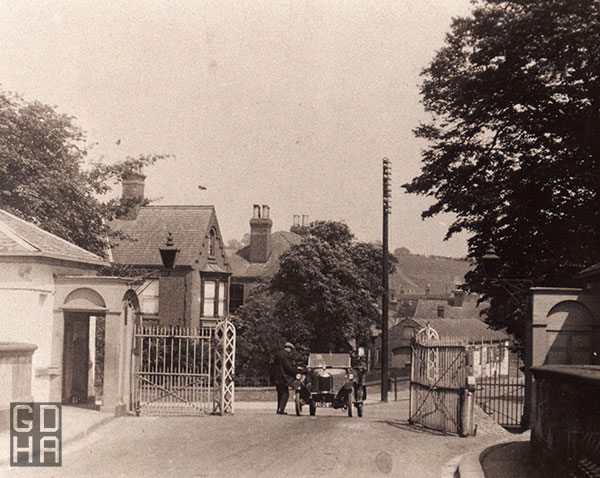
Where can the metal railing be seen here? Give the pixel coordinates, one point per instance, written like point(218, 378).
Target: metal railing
point(172, 370)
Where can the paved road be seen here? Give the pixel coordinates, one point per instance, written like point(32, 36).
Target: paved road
point(258, 443)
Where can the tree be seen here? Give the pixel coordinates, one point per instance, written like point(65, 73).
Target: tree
point(45, 179)
point(324, 296)
point(259, 334)
point(402, 251)
point(514, 141)
point(330, 286)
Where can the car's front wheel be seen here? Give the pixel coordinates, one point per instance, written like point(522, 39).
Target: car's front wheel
point(298, 403)
point(349, 402)
point(312, 409)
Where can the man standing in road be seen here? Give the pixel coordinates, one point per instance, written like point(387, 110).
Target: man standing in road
point(283, 373)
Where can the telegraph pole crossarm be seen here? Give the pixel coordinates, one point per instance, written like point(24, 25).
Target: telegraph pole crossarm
point(387, 206)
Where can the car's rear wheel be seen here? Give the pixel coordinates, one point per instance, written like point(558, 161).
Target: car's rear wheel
point(298, 403)
point(359, 409)
point(349, 402)
point(312, 409)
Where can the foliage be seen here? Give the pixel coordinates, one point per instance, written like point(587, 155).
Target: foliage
point(323, 298)
point(259, 334)
point(331, 285)
point(332, 232)
point(45, 179)
point(514, 141)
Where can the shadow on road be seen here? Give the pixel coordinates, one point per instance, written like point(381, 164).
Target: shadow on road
point(404, 425)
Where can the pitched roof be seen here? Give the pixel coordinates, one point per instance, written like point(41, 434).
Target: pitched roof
point(19, 238)
point(148, 232)
point(472, 329)
point(281, 241)
point(427, 308)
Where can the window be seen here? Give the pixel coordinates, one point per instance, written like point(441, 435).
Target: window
point(236, 297)
point(221, 300)
point(440, 311)
point(377, 355)
point(208, 309)
point(149, 298)
point(213, 298)
point(212, 236)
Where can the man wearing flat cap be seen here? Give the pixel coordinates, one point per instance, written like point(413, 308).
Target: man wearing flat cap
point(283, 373)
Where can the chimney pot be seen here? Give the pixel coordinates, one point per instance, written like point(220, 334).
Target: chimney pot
point(260, 235)
point(133, 188)
point(300, 226)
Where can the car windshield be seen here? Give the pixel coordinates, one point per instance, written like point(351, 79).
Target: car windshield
point(329, 360)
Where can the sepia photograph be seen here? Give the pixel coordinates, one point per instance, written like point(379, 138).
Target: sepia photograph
point(270, 238)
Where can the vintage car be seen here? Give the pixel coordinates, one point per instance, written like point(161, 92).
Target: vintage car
point(329, 380)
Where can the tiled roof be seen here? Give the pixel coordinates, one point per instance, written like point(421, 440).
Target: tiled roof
point(427, 308)
point(473, 329)
point(21, 238)
point(281, 241)
point(188, 225)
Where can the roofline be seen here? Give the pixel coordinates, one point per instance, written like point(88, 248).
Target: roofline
point(552, 290)
point(65, 279)
point(43, 231)
point(154, 266)
point(174, 206)
point(29, 256)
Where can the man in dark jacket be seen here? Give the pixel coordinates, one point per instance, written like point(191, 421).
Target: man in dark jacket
point(283, 373)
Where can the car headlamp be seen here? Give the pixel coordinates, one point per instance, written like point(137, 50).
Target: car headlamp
point(350, 376)
point(298, 376)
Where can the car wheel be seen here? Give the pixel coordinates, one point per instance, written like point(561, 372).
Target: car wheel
point(349, 402)
point(359, 409)
point(298, 404)
point(312, 409)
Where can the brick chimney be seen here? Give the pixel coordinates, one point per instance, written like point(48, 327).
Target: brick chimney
point(133, 187)
point(300, 228)
point(260, 234)
point(458, 297)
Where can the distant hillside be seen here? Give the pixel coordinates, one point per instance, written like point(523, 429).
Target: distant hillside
point(415, 272)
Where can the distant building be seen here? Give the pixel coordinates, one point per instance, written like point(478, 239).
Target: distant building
point(454, 316)
point(196, 291)
point(259, 260)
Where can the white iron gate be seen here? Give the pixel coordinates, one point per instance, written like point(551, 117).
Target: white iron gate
point(181, 371)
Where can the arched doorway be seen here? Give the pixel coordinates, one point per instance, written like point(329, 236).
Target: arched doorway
point(83, 348)
point(570, 334)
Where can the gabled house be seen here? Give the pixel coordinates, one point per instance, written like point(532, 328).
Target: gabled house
point(259, 260)
point(195, 292)
point(53, 298)
point(454, 316)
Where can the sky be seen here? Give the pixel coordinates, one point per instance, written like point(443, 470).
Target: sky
point(291, 104)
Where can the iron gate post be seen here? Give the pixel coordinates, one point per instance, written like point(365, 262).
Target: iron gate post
point(224, 383)
point(466, 407)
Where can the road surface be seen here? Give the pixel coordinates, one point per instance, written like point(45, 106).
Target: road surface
point(259, 443)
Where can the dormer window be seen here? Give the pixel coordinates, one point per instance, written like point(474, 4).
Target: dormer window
point(212, 238)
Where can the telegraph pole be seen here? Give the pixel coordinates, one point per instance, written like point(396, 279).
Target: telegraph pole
point(387, 207)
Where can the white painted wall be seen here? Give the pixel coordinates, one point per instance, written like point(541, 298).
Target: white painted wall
point(26, 315)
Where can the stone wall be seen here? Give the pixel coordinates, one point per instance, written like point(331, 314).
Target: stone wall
point(15, 377)
point(565, 436)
